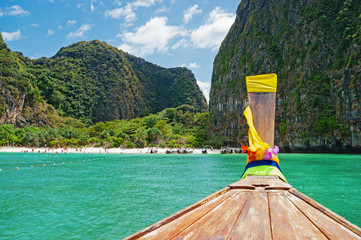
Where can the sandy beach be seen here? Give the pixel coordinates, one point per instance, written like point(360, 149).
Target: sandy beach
point(100, 150)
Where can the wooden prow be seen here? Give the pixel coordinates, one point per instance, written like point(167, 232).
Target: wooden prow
point(262, 101)
point(263, 111)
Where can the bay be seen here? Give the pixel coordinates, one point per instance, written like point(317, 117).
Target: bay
point(109, 196)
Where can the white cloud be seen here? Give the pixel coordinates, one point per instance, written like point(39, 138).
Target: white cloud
point(181, 43)
point(144, 3)
point(126, 48)
point(211, 34)
point(92, 7)
point(190, 12)
point(35, 25)
point(10, 36)
point(71, 22)
point(80, 31)
point(152, 37)
point(163, 9)
point(205, 88)
point(117, 2)
point(194, 65)
point(16, 10)
point(81, 5)
point(127, 12)
point(60, 27)
point(50, 32)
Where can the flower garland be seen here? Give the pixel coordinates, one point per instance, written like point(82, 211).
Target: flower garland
point(261, 153)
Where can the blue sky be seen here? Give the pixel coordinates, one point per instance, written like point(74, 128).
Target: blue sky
point(169, 33)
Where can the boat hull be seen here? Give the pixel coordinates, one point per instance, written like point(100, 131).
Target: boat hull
point(257, 207)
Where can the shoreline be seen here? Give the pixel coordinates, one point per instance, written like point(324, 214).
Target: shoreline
point(100, 150)
point(95, 150)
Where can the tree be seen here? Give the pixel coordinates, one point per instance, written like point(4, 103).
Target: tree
point(153, 134)
point(151, 120)
point(7, 132)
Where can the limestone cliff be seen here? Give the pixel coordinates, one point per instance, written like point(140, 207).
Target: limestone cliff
point(314, 48)
point(91, 81)
point(97, 82)
point(20, 100)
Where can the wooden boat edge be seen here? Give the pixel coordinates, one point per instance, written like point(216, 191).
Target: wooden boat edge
point(340, 220)
point(177, 214)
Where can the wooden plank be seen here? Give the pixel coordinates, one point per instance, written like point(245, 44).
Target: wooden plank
point(254, 220)
point(327, 211)
point(288, 222)
point(177, 214)
point(217, 223)
point(268, 182)
point(327, 225)
point(172, 229)
point(263, 112)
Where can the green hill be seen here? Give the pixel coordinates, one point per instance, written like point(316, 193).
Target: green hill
point(92, 81)
point(314, 48)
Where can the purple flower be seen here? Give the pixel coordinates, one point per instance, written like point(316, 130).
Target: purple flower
point(276, 150)
point(268, 154)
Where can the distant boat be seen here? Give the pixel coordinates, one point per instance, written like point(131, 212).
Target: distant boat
point(184, 151)
point(237, 150)
point(204, 151)
point(229, 150)
point(226, 151)
point(153, 151)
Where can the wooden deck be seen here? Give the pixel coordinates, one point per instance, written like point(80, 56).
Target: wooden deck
point(257, 207)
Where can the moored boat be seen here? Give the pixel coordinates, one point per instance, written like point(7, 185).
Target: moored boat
point(170, 152)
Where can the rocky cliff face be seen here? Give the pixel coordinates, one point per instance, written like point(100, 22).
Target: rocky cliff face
point(20, 101)
point(95, 81)
point(314, 48)
point(167, 87)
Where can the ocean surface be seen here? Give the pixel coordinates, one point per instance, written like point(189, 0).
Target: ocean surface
point(103, 196)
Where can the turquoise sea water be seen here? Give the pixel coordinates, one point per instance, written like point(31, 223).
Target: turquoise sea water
point(112, 196)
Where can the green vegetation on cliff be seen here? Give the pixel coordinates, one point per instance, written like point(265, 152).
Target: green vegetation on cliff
point(21, 101)
point(172, 127)
point(94, 81)
point(90, 81)
point(314, 48)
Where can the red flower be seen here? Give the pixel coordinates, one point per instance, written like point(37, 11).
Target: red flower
point(244, 148)
point(251, 156)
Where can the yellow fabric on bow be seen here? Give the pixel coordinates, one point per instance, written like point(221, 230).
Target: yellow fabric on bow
point(257, 147)
point(254, 139)
point(262, 83)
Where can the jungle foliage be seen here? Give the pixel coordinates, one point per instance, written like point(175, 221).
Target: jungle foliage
point(172, 127)
point(90, 81)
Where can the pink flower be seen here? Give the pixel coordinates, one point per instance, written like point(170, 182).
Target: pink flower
point(276, 150)
point(268, 154)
